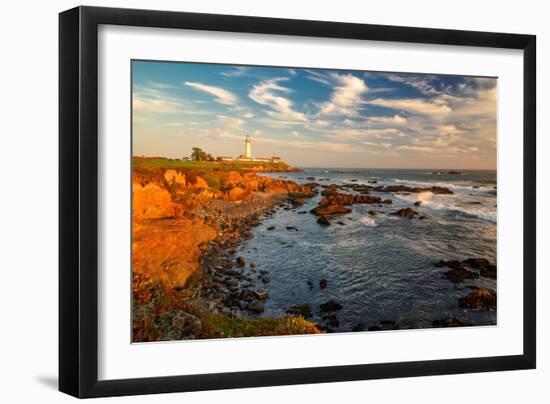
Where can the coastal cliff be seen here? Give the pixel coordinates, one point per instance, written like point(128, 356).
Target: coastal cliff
point(186, 225)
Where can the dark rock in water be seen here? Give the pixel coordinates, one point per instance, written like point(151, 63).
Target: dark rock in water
point(341, 223)
point(454, 172)
point(417, 203)
point(271, 228)
point(241, 261)
point(475, 187)
point(330, 210)
point(266, 279)
point(302, 212)
point(255, 307)
point(331, 320)
point(252, 264)
point(480, 299)
point(358, 327)
point(330, 305)
point(354, 180)
point(261, 294)
point(405, 212)
point(247, 294)
point(373, 182)
point(451, 322)
point(323, 283)
point(310, 178)
point(298, 201)
point(325, 329)
point(486, 269)
point(375, 212)
point(323, 220)
point(474, 203)
point(178, 325)
point(303, 310)
point(310, 284)
point(453, 264)
point(404, 188)
point(341, 199)
point(248, 235)
point(421, 217)
point(291, 228)
point(459, 274)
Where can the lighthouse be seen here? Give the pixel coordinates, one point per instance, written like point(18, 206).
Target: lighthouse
point(247, 147)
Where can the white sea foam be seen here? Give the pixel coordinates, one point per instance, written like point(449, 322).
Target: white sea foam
point(464, 186)
point(485, 211)
point(368, 221)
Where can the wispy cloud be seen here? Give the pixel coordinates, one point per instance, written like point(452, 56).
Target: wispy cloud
point(346, 96)
point(266, 93)
point(221, 95)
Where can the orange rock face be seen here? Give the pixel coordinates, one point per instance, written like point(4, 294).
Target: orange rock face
point(168, 250)
point(175, 177)
point(238, 194)
point(166, 242)
point(198, 183)
point(152, 202)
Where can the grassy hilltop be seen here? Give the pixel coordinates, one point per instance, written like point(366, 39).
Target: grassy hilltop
point(239, 166)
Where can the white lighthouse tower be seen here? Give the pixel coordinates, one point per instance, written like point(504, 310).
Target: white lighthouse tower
point(247, 147)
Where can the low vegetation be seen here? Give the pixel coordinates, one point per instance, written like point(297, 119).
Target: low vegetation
point(153, 304)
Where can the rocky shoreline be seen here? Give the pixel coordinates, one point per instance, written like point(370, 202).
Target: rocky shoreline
point(225, 284)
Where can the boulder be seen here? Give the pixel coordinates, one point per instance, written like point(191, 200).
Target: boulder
point(480, 299)
point(404, 188)
point(179, 324)
point(405, 212)
point(262, 294)
point(459, 274)
point(330, 305)
point(255, 307)
point(237, 194)
point(241, 261)
point(323, 220)
point(323, 283)
point(451, 322)
point(330, 210)
point(486, 269)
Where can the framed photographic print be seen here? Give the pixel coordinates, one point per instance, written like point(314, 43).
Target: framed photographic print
point(250, 201)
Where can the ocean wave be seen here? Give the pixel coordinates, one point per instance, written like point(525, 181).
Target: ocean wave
point(483, 211)
point(368, 221)
point(453, 186)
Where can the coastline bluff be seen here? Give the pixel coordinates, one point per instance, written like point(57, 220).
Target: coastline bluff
point(173, 214)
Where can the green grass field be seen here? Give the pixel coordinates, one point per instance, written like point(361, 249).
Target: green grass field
point(207, 165)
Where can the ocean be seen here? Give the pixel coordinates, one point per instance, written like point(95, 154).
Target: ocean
point(380, 268)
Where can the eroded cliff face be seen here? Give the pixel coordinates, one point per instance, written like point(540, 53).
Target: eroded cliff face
point(167, 235)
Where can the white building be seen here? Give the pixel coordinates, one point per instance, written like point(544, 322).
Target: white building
point(247, 147)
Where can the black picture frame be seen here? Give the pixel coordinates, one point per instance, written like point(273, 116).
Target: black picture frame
point(78, 200)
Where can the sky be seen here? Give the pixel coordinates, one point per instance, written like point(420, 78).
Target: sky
point(315, 117)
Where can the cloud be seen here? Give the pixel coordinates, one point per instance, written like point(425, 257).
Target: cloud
point(423, 83)
point(414, 105)
point(281, 107)
point(237, 71)
point(230, 122)
point(393, 120)
point(295, 133)
point(346, 96)
point(221, 96)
